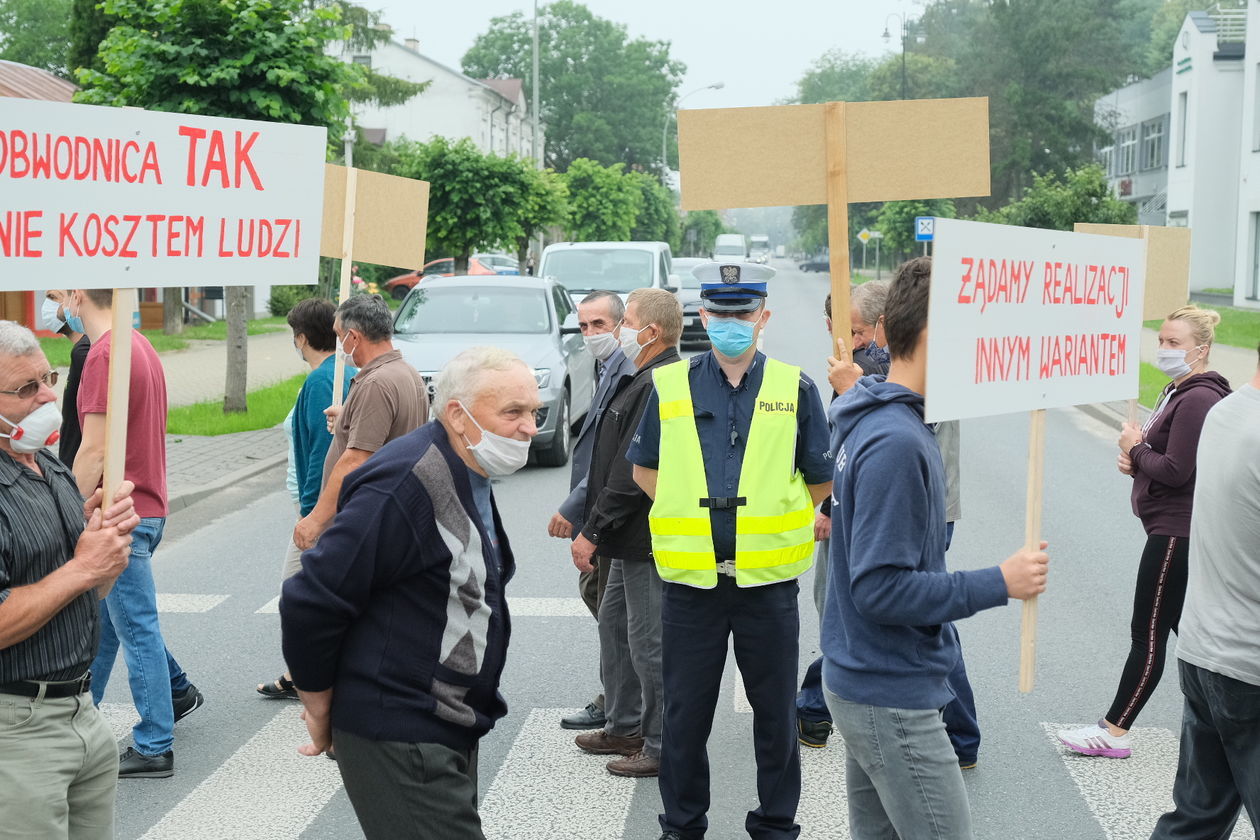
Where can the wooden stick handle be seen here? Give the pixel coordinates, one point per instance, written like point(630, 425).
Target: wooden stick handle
point(1032, 542)
point(1133, 411)
point(118, 401)
point(343, 293)
point(838, 221)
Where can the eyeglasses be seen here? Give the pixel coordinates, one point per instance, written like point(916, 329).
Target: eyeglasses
point(31, 388)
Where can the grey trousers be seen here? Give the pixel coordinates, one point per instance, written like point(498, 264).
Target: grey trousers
point(903, 778)
point(630, 651)
point(58, 769)
point(591, 587)
point(404, 791)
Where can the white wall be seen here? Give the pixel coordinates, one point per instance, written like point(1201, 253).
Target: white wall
point(1131, 108)
point(1203, 181)
point(1246, 263)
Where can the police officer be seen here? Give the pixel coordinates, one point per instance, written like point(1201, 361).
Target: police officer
point(733, 450)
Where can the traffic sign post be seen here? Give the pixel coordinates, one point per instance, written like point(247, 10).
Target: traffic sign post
point(864, 237)
point(924, 230)
point(878, 236)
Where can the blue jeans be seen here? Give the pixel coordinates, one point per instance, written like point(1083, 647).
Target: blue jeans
point(129, 616)
point(902, 775)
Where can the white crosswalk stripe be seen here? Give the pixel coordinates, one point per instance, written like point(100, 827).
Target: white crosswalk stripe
point(272, 606)
point(548, 608)
point(824, 812)
point(1128, 795)
point(535, 793)
point(174, 602)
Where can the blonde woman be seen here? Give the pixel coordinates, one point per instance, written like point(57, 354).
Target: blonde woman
point(1160, 456)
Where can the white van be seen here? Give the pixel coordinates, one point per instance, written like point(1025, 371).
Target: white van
point(730, 247)
point(621, 267)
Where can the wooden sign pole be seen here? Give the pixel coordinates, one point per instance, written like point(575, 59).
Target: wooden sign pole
point(838, 226)
point(118, 400)
point(1032, 542)
point(343, 294)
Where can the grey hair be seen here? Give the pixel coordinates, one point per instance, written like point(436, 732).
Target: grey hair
point(870, 299)
point(368, 315)
point(616, 307)
point(16, 340)
point(464, 377)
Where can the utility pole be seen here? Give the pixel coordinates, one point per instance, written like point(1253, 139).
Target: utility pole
point(538, 150)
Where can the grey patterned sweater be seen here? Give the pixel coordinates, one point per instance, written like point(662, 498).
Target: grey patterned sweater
point(400, 608)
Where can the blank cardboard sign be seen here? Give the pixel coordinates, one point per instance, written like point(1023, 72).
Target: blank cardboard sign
point(390, 218)
point(777, 156)
point(1167, 264)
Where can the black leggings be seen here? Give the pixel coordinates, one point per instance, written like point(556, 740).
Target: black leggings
point(1161, 591)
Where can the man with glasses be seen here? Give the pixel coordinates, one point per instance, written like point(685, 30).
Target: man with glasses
point(58, 759)
point(129, 615)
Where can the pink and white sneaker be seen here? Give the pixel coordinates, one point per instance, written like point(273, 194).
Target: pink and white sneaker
point(1096, 739)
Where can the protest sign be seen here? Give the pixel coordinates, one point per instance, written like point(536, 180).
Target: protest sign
point(1024, 319)
point(833, 154)
point(125, 198)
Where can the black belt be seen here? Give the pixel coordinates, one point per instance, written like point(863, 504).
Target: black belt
point(54, 690)
point(723, 502)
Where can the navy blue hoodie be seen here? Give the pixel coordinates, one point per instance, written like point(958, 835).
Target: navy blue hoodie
point(886, 637)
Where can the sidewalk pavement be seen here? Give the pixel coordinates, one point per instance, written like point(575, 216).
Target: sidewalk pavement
point(198, 466)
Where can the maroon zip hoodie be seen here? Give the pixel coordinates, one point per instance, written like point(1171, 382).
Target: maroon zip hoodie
point(1163, 481)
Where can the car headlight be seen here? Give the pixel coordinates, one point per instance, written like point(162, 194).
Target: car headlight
point(542, 376)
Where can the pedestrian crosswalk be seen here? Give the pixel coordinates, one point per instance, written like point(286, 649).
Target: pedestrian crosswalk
point(170, 602)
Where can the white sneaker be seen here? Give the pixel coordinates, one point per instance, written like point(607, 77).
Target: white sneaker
point(1096, 739)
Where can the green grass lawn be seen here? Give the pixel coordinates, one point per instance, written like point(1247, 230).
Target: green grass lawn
point(267, 407)
point(1151, 382)
point(58, 349)
point(1238, 327)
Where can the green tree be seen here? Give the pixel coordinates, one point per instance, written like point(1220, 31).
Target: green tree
point(89, 24)
point(836, 76)
point(1059, 202)
point(476, 200)
point(546, 200)
point(896, 221)
point(927, 77)
point(35, 32)
point(250, 59)
point(604, 95)
point(700, 229)
point(657, 220)
point(603, 202)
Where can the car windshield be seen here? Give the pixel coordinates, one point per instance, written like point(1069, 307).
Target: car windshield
point(488, 310)
point(683, 267)
point(587, 269)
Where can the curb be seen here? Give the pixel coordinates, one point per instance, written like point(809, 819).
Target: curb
point(193, 495)
point(1114, 414)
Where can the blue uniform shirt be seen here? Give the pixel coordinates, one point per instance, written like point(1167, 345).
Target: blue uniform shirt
point(723, 417)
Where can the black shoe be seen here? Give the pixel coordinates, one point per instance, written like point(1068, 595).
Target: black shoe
point(671, 835)
point(133, 765)
point(967, 763)
point(592, 717)
point(812, 733)
point(187, 702)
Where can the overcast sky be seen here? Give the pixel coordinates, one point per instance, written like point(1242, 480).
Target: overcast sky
point(758, 50)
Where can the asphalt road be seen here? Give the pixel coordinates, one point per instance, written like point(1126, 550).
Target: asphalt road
point(238, 774)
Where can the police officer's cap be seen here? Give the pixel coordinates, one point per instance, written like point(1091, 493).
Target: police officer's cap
point(732, 288)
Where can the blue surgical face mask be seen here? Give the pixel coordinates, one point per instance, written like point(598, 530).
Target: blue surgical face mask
point(74, 322)
point(730, 336)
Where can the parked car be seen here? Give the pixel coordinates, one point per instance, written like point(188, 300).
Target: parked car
point(499, 263)
point(444, 267)
point(730, 247)
point(532, 317)
point(816, 264)
point(621, 267)
point(689, 296)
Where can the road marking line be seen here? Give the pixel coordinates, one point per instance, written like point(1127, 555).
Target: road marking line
point(1127, 796)
point(264, 789)
point(272, 606)
point(120, 717)
point(824, 810)
point(548, 607)
point(172, 602)
point(533, 796)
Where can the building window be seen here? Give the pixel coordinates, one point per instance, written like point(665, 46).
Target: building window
point(1153, 144)
point(1255, 140)
point(365, 60)
point(1183, 105)
point(1255, 256)
point(1106, 159)
point(1127, 142)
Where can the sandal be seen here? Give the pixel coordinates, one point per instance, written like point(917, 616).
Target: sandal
point(281, 689)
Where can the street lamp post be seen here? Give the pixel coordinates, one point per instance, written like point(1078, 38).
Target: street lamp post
point(888, 36)
point(538, 152)
point(668, 113)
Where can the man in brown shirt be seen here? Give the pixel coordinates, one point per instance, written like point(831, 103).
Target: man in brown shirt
point(387, 400)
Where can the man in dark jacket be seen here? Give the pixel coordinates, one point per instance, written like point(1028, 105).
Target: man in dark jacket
point(615, 526)
point(396, 629)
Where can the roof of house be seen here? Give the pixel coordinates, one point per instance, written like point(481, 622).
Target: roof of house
point(25, 82)
point(509, 89)
point(502, 87)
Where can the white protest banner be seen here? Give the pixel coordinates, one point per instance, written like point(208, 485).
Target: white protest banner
point(125, 198)
point(1023, 319)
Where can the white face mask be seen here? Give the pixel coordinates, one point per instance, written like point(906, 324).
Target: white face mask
point(38, 429)
point(1173, 362)
point(601, 345)
point(630, 342)
point(348, 357)
point(498, 455)
point(52, 322)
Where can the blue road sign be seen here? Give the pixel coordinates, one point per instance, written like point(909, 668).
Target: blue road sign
point(924, 228)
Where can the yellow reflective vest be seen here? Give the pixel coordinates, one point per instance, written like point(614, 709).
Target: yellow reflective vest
point(774, 528)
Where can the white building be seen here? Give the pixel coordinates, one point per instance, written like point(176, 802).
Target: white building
point(493, 112)
point(1136, 159)
point(1247, 229)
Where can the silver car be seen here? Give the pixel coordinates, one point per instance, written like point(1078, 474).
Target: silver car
point(532, 317)
point(689, 296)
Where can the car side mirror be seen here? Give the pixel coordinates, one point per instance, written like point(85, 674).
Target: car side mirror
point(570, 325)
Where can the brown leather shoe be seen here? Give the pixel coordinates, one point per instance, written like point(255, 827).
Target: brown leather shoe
point(638, 766)
point(600, 742)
